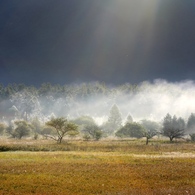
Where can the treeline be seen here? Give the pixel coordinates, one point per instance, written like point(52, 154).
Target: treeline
point(26, 111)
point(25, 102)
point(82, 90)
point(84, 127)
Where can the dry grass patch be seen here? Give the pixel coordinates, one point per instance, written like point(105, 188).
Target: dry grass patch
point(127, 146)
point(81, 173)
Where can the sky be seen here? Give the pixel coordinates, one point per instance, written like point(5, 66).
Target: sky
point(110, 41)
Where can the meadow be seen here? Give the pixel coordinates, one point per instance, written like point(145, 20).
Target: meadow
point(117, 167)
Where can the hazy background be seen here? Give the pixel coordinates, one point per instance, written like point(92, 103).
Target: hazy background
point(148, 100)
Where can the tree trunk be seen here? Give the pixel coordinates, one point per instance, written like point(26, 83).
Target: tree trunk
point(147, 140)
point(171, 139)
point(60, 140)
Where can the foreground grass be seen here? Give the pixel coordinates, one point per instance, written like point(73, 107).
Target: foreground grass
point(85, 173)
point(106, 167)
point(130, 146)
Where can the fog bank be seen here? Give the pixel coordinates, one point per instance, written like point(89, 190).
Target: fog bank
point(147, 100)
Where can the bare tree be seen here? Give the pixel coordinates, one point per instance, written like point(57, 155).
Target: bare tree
point(173, 127)
point(191, 123)
point(150, 129)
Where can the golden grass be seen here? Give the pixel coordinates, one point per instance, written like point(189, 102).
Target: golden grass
point(129, 146)
point(85, 173)
point(106, 167)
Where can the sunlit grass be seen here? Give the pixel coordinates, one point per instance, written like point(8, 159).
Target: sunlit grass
point(130, 146)
point(105, 167)
point(94, 173)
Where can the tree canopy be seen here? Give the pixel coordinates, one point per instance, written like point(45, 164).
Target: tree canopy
point(151, 129)
point(131, 130)
point(173, 127)
point(62, 128)
point(191, 123)
point(114, 120)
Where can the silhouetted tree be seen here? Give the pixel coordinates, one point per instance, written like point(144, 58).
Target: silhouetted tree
point(191, 123)
point(192, 136)
point(150, 129)
point(173, 127)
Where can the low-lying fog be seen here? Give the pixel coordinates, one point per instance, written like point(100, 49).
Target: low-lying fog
point(145, 101)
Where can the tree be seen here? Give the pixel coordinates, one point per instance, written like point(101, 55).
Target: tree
point(84, 120)
point(62, 128)
point(37, 127)
point(129, 119)
point(2, 128)
point(22, 129)
point(131, 130)
point(192, 136)
point(114, 120)
point(27, 103)
point(47, 131)
point(173, 127)
point(93, 131)
point(191, 123)
point(10, 131)
point(150, 129)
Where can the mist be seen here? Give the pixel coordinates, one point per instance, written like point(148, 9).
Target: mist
point(155, 100)
point(147, 100)
point(151, 100)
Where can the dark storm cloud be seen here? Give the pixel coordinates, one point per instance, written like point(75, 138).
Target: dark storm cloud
point(64, 41)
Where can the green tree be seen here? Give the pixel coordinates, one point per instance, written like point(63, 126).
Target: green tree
point(93, 131)
point(62, 128)
point(173, 127)
point(150, 129)
point(131, 130)
point(22, 129)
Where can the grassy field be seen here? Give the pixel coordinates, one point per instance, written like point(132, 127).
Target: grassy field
point(105, 167)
